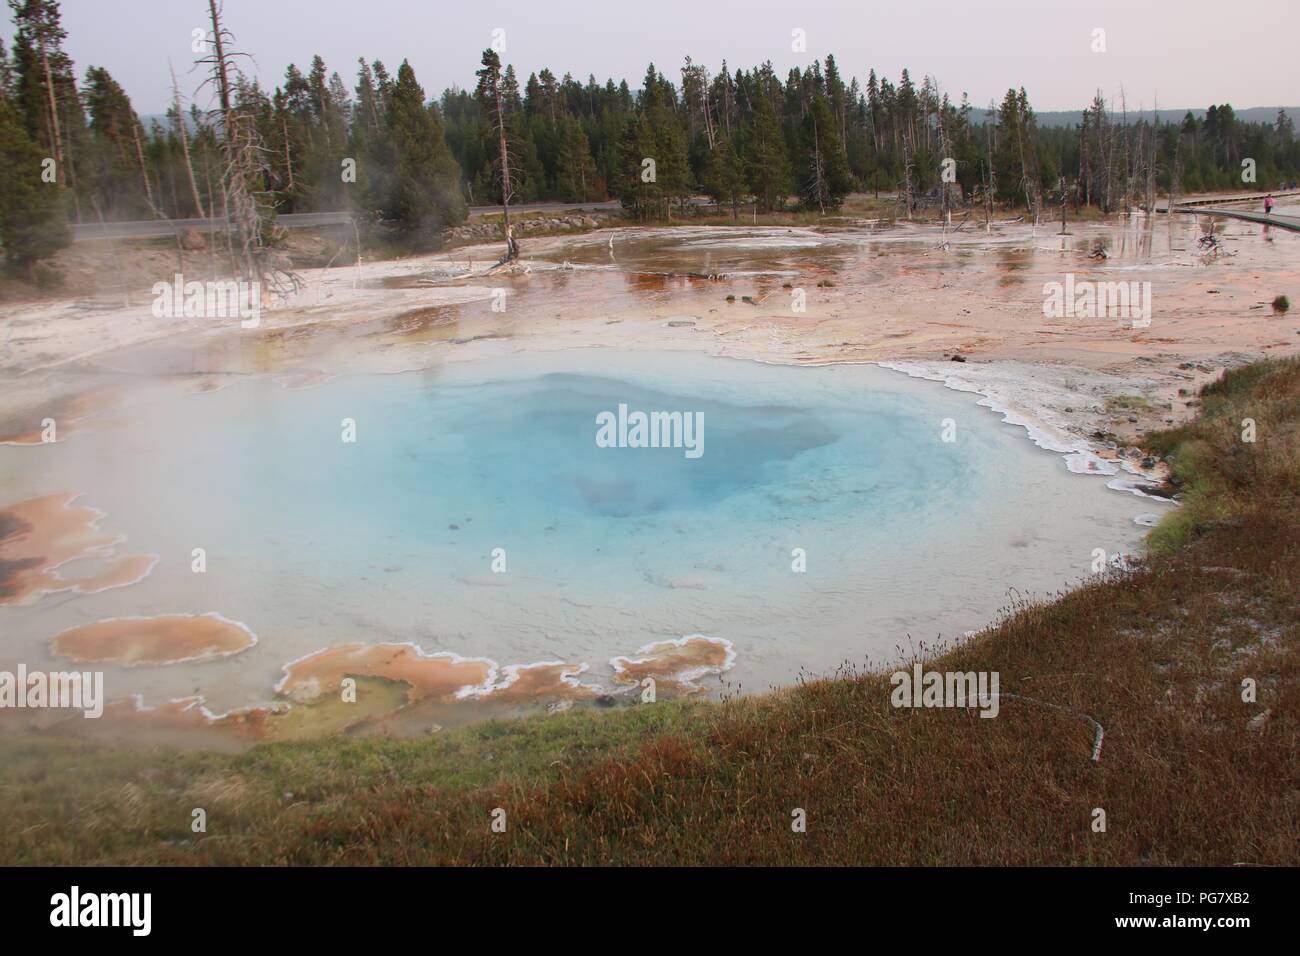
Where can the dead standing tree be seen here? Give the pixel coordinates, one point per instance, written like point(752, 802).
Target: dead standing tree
point(1152, 154)
point(1028, 154)
point(1096, 156)
point(243, 232)
point(47, 35)
point(990, 187)
point(908, 165)
point(183, 135)
point(695, 92)
point(817, 170)
point(244, 162)
point(945, 145)
point(490, 95)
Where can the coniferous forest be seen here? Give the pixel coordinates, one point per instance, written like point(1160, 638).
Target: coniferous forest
point(739, 135)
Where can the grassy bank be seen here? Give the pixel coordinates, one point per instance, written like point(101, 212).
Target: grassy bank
point(1189, 773)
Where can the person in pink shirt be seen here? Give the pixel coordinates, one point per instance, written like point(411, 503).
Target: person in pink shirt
point(1268, 204)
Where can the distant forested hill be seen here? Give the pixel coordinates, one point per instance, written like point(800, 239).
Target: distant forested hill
point(1253, 114)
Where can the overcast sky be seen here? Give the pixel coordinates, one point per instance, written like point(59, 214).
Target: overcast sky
point(1188, 53)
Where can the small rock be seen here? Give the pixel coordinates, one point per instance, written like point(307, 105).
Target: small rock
point(605, 700)
point(192, 240)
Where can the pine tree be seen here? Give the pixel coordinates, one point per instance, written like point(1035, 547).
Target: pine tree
point(182, 137)
point(33, 224)
point(874, 108)
point(114, 168)
point(825, 174)
point(639, 194)
point(422, 195)
point(724, 175)
point(672, 170)
point(769, 165)
point(576, 170)
point(497, 95)
point(838, 97)
point(44, 88)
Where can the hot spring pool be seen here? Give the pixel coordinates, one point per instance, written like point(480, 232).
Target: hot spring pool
point(475, 513)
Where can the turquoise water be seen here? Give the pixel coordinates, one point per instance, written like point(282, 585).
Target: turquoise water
point(313, 541)
point(461, 469)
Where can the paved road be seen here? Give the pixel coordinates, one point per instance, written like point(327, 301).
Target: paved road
point(156, 228)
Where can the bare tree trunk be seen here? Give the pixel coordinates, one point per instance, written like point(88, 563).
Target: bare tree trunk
point(1174, 184)
point(512, 248)
point(1025, 182)
point(207, 176)
point(907, 172)
point(144, 170)
point(988, 192)
point(1064, 200)
point(185, 144)
point(230, 235)
point(288, 159)
point(1151, 167)
point(1104, 161)
point(946, 146)
point(1083, 166)
point(818, 168)
point(241, 212)
point(704, 106)
point(54, 110)
point(212, 215)
point(726, 104)
point(1128, 177)
point(245, 166)
point(56, 135)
